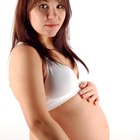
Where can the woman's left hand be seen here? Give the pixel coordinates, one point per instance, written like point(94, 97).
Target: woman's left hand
point(89, 92)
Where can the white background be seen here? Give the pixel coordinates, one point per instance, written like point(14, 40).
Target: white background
point(106, 35)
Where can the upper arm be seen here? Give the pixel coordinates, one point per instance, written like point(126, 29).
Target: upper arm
point(26, 81)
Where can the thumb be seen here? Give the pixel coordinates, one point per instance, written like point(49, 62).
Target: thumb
point(83, 84)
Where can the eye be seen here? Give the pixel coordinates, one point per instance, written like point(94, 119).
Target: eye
point(43, 6)
point(60, 6)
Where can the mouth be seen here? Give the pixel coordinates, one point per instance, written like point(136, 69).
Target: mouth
point(52, 25)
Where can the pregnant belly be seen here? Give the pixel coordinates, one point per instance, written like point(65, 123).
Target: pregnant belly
point(81, 120)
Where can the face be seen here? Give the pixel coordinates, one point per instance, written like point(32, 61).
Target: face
point(47, 17)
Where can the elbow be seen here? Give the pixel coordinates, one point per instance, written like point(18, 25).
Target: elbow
point(37, 126)
point(41, 129)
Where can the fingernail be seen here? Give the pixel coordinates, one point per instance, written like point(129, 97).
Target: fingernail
point(88, 100)
point(83, 97)
point(82, 83)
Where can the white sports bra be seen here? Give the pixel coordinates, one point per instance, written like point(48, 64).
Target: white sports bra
point(65, 83)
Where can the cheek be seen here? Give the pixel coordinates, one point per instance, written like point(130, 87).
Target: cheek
point(34, 19)
point(63, 15)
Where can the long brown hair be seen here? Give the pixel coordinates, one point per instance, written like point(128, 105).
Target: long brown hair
point(23, 32)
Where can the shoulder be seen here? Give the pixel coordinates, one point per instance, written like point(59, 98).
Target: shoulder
point(24, 52)
point(24, 61)
point(25, 56)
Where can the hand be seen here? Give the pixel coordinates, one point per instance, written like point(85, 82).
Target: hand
point(89, 92)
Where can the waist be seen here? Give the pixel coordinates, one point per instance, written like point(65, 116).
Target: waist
point(55, 101)
point(73, 105)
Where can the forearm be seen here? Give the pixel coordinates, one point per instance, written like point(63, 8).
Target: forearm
point(49, 131)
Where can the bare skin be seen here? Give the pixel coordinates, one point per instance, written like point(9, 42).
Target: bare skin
point(80, 118)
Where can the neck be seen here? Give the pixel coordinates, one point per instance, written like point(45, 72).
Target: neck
point(48, 43)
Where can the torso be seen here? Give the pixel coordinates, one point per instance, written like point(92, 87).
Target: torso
point(80, 119)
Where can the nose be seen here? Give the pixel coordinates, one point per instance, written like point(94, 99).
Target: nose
point(52, 13)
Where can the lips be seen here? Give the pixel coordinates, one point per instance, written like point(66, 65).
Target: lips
point(52, 25)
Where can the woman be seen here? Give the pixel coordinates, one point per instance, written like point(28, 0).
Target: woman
point(45, 76)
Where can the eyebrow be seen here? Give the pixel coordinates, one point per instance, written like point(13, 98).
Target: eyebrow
point(59, 1)
point(49, 0)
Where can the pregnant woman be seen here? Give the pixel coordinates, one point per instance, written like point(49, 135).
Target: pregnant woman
point(46, 76)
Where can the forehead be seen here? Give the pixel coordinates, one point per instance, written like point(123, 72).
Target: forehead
point(36, 1)
point(53, 0)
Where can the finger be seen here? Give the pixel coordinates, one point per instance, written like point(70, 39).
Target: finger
point(93, 99)
point(86, 89)
point(96, 101)
point(83, 84)
point(88, 94)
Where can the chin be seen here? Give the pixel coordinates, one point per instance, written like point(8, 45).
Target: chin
point(51, 35)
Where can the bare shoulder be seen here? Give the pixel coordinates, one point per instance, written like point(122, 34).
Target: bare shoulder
point(24, 64)
point(24, 60)
point(23, 53)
